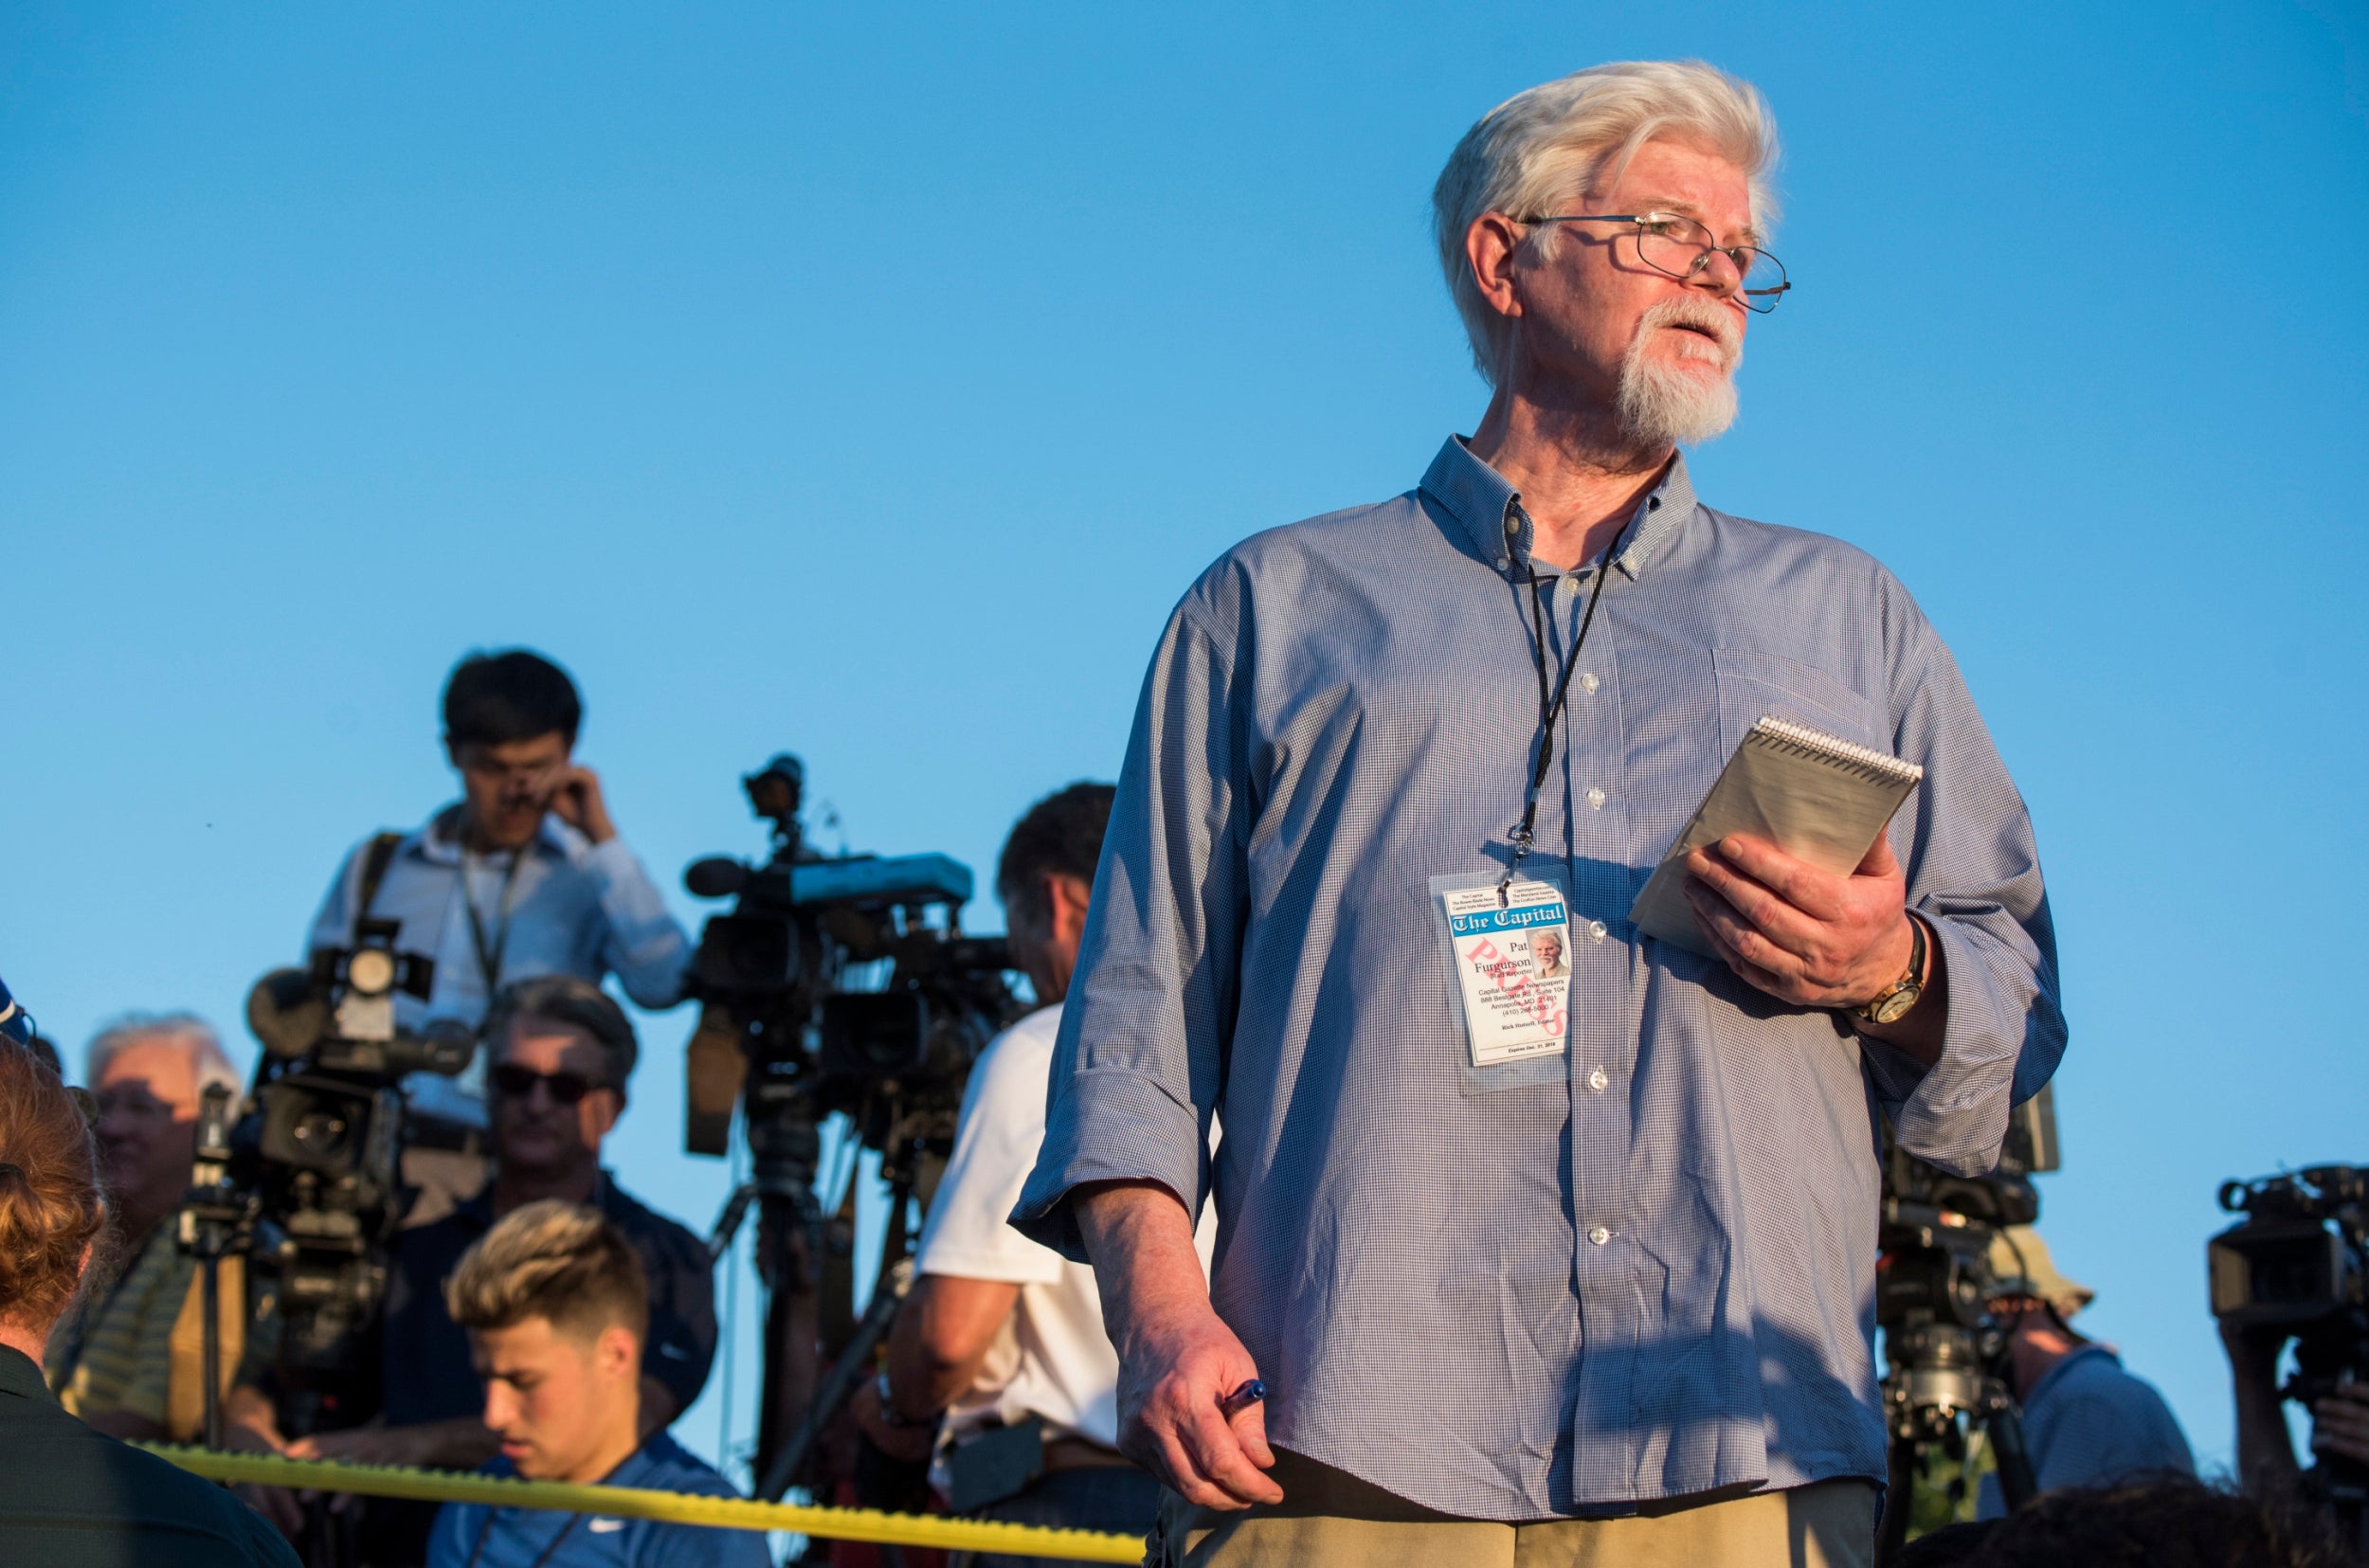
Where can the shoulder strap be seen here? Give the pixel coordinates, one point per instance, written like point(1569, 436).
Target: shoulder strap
point(374, 863)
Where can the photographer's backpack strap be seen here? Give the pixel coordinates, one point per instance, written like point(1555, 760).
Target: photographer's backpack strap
point(374, 863)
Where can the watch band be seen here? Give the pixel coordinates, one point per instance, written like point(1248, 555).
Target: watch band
point(1877, 1008)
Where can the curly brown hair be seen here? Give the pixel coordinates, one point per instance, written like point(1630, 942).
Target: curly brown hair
point(51, 1208)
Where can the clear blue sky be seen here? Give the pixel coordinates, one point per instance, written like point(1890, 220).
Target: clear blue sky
point(870, 381)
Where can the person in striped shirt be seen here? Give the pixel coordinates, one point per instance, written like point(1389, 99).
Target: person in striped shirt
point(130, 1361)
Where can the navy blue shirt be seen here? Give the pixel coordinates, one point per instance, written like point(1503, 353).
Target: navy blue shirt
point(2088, 1423)
point(470, 1535)
point(424, 1356)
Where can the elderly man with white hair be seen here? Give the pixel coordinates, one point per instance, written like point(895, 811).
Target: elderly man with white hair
point(130, 1361)
point(1603, 1294)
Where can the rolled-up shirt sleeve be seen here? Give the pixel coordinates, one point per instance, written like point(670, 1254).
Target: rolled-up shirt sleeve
point(1137, 1070)
point(1974, 874)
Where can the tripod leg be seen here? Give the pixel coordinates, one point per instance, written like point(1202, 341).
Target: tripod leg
point(791, 1351)
point(1892, 1532)
point(845, 1374)
point(210, 1337)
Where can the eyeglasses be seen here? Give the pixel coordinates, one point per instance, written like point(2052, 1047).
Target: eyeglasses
point(565, 1088)
point(1679, 247)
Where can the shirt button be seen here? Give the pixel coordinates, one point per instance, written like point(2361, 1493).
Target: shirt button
point(1601, 1234)
point(1503, 563)
point(1588, 683)
point(1596, 799)
point(1596, 930)
point(1598, 1079)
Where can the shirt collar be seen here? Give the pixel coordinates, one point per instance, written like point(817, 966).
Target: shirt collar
point(20, 1376)
point(435, 844)
point(1490, 509)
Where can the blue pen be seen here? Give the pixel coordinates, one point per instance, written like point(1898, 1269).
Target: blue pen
point(1241, 1399)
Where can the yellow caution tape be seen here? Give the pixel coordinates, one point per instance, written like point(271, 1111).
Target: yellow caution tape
point(730, 1513)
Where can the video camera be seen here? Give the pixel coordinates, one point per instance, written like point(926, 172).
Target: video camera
point(833, 985)
point(304, 1176)
point(790, 978)
point(2297, 1268)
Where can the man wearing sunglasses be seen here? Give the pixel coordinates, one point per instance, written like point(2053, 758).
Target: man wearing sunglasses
point(559, 1051)
point(525, 875)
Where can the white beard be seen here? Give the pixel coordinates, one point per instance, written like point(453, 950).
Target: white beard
point(1665, 404)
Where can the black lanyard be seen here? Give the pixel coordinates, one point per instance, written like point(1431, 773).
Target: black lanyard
point(489, 958)
point(492, 1513)
point(1550, 708)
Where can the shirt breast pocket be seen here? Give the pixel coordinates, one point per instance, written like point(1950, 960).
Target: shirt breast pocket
point(1753, 686)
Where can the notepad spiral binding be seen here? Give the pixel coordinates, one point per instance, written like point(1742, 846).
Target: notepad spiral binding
point(1803, 741)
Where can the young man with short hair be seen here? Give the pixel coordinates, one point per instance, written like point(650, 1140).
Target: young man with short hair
point(523, 876)
point(557, 1309)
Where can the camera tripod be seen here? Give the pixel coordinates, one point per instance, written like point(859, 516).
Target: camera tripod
point(1940, 1391)
point(332, 1275)
point(805, 1260)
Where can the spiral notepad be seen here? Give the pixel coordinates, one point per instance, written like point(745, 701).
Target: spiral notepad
point(1819, 798)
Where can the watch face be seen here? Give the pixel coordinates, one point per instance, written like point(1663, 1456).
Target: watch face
point(1888, 1009)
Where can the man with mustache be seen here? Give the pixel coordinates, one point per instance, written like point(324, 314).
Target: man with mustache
point(523, 876)
point(1514, 1290)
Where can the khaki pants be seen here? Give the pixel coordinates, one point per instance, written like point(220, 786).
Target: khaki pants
point(1828, 1524)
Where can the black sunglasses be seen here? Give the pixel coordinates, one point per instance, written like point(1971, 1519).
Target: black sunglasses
point(565, 1088)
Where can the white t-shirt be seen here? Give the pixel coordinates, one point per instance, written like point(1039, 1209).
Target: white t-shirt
point(1053, 1359)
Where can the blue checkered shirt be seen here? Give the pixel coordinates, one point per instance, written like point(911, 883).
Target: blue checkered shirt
point(1652, 1273)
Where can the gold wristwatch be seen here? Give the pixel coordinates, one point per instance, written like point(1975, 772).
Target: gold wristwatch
point(1893, 1002)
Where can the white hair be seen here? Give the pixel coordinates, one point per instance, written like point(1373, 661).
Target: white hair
point(208, 1063)
point(1663, 405)
point(1576, 135)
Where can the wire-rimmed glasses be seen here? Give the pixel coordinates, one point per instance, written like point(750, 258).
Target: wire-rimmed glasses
point(1678, 246)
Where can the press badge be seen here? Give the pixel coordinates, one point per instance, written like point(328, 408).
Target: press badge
point(1513, 966)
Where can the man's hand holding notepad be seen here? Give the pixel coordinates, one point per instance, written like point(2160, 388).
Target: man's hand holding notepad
point(1822, 800)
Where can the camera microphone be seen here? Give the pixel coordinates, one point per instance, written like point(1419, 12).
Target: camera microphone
point(717, 876)
point(288, 1013)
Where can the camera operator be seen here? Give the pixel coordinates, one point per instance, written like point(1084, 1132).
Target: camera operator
point(999, 1332)
point(2086, 1421)
point(130, 1361)
point(523, 876)
point(560, 1052)
point(2340, 1422)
